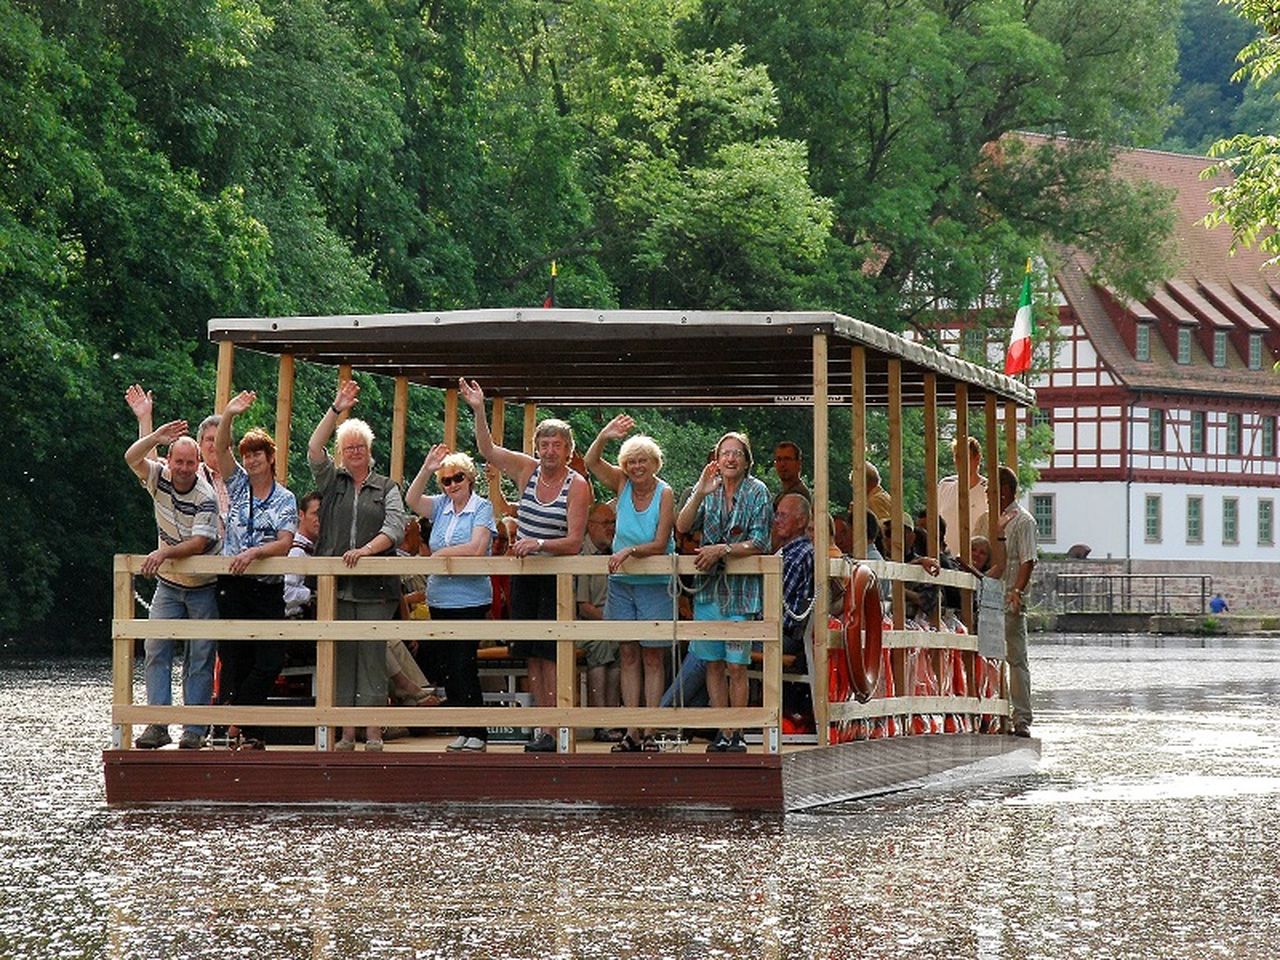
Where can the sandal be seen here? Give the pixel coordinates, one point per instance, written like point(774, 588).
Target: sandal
point(625, 745)
point(649, 745)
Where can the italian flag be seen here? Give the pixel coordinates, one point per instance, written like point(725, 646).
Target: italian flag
point(1018, 359)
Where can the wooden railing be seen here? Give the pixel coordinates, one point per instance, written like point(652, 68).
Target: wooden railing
point(326, 629)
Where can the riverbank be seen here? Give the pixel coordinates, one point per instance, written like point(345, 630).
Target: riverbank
point(1164, 624)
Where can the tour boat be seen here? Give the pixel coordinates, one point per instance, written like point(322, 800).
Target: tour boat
point(924, 702)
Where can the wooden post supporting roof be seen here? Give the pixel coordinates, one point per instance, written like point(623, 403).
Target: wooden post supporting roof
point(344, 374)
point(399, 426)
point(566, 661)
point(530, 426)
point(451, 418)
point(1011, 435)
point(284, 416)
point(497, 428)
point(896, 469)
point(932, 536)
point(964, 534)
point(226, 369)
point(122, 655)
point(821, 539)
point(993, 473)
point(858, 420)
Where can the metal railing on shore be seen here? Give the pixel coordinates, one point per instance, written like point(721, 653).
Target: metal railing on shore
point(1159, 593)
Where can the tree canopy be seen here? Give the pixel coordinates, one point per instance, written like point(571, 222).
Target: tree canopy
point(166, 161)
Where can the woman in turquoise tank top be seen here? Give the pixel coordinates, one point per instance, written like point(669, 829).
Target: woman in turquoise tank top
point(646, 518)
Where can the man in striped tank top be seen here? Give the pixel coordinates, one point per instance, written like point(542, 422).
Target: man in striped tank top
point(551, 520)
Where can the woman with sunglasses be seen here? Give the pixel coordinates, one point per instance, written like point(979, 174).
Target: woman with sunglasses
point(462, 525)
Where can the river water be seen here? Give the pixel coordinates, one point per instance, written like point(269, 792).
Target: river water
point(1148, 830)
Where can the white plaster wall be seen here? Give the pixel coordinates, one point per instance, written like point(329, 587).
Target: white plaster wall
point(1094, 513)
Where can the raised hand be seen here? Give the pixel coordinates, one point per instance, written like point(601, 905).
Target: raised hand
point(171, 431)
point(348, 394)
point(709, 479)
point(618, 427)
point(140, 401)
point(471, 394)
point(241, 402)
point(435, 457)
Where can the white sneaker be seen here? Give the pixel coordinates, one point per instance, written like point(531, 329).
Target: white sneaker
point(475, 745)
point(460, 743)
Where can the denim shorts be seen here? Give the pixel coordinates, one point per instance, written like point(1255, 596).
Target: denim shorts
point(638, 601)
point(730, 651)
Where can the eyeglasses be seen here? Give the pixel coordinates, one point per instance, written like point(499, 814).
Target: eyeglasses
point(732, 453)
point(450, 480)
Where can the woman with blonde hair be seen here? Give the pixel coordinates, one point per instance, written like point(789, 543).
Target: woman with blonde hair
point(645, 520)
point(361, 515)
point(462, 525)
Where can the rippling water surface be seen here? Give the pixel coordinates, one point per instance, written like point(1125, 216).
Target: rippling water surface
point(1148, 830)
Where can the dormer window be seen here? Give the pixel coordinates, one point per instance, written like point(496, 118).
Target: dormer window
point(1142, 346)
point(1184, 346)
point(1219, 348)
point(1255, 351)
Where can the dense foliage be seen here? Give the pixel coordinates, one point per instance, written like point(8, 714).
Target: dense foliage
point(165, 161)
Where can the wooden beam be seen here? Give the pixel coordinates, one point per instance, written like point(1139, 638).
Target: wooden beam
point(771, 668)
point(962, 495)
point(993, 474)
point(226, 370)
point(344, 374)
point(821, 544)
point(1011, 435)
point(284, 416)
point(451, 418)
point(122, 656)
point(498, 423)
point(931, 476)
point(896, 486)
point(530, 426)
point(399, 427)
point(858, 405)
point(326, 679)
point(566, 662)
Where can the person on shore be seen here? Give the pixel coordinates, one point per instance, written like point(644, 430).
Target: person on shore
point(591, 594)
point(462, 525)
point(361, 515)
point(186, 517)
point(551, 520)
point(949, 493)
point(787, 464)
point(645, 519)
point(1016, 534)
point(732, 510)
point(1218, 604)
point(261, 522)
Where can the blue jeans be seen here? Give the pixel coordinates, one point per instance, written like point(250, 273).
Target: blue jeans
point(181, 603)
point(691, 679)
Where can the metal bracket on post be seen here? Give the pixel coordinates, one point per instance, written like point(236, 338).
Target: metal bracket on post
point(322, 738)
point(118, 739)
point(773, 739)
point(562, 740)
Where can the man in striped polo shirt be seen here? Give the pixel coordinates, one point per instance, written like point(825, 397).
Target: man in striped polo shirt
point(186, 512)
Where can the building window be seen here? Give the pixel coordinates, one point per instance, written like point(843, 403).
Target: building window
point(1268, 429)
point(1233, 434)
point(1184, 346)
point(1219, 348)
point(1155, 430)
point(1153, 518)
point(1230, 520)
point(1266, 523)
point(1197, 431)
point(1195, 519)
point(1142, 345)
point(1255, 351)
point(1042, 510)
point(973, 344)
point(1041, 418)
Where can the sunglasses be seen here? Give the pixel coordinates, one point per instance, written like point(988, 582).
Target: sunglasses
point(452, 479)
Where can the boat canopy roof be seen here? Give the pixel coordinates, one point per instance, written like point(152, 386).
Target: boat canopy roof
point(616, 357)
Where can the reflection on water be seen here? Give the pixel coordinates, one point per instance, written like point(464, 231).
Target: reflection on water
point(1147, 831)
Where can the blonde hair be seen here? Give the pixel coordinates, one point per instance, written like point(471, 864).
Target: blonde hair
point(975, 448)
point(640, 446)
point(457, 461)
point(346, 429)
point(557, 428)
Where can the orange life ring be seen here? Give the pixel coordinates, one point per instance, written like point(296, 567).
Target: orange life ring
point(863, 632)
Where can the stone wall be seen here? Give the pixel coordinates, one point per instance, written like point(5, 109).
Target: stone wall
point(1247, 587)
